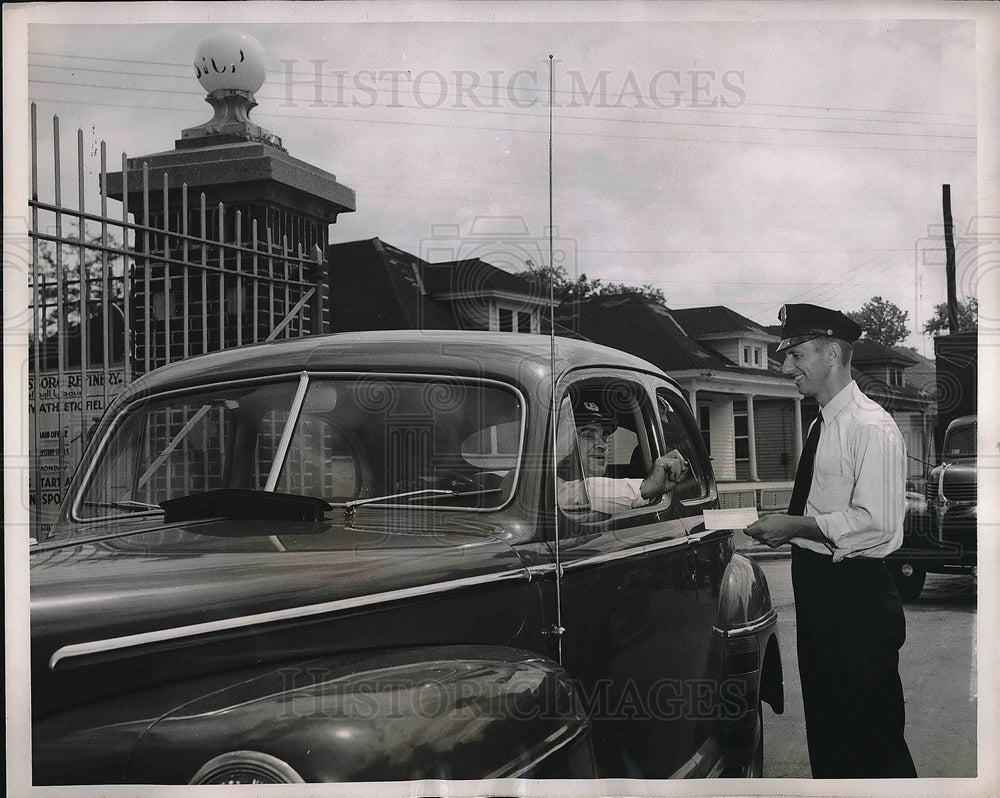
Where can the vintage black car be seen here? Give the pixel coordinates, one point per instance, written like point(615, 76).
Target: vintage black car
point(339, 558)
point(941, 524)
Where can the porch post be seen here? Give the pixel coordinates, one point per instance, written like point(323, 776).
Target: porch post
point(693, 399)
point(751, 438)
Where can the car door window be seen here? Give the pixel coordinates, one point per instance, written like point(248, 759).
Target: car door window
point(605, 446)
point(680, 433)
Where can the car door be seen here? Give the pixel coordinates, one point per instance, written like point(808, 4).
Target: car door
point(635, 637)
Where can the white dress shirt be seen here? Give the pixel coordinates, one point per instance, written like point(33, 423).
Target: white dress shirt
point(857, 494)
point(604, 494)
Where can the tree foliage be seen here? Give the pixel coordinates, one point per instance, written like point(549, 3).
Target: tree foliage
point(565, 289)
point(882, 321)
point(67, 261)
point(968, 317)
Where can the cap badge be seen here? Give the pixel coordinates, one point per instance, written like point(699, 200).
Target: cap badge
point(591, 407)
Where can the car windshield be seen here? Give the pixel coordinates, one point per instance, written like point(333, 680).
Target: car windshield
point(961, 442)
point(403, 441)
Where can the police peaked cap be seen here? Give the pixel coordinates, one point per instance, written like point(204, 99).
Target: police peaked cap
point(590, 407)
point(802, 323)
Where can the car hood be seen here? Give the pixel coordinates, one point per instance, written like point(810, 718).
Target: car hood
point(957, 472)
point(115, 597)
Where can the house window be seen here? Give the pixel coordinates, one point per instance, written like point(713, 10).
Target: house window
point(514, 320)
point(705, 425)
point(756, 356)
point(895, 376)
point(746, 355)
point(741, 432)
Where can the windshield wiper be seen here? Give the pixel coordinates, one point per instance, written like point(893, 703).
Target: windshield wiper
point(352, 505)
point(427, 493)
point(126, 504)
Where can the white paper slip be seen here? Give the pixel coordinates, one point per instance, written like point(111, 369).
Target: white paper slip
point(738, 518)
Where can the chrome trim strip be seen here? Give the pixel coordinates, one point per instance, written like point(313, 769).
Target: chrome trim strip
point(750, 628)
point(291, 613)
point(698, 537)
point(550, 745)
point(540, 570)
point(691, 768)
point(634, 551)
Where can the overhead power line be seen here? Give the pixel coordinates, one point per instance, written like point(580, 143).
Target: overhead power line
point(525, 89)
point(394, 92)
point(493, 128)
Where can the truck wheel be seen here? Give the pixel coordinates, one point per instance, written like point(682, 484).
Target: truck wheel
point(909, 579)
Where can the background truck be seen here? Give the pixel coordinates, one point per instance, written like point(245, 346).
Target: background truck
point(940, 531)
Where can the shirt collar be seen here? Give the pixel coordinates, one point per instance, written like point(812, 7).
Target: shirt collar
point(845, 396)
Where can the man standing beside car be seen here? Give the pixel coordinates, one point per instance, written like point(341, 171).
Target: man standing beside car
point(845, 516)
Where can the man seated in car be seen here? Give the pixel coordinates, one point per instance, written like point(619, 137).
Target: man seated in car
point(592, 488)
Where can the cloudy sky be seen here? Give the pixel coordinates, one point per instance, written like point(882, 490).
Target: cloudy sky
point(743, 159)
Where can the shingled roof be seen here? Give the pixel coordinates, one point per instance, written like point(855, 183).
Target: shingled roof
point(376, 286)
point(716, 320)
point(644, 327)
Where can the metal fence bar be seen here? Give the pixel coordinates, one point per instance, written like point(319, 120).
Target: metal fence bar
point(222, 278)
point(126, 276)
point(37, 316)
point(106, 299)
point(287, 273)
point(285, 322)
point(256, 284)
point(319, 326)
point(139, 228)
point(167, 310)
point(147, 326)
point(239, 281)
point(306, 320)
point(84, 286)
point(186, 288)
point(270, 275)
point(60, 281)
point(204, 275)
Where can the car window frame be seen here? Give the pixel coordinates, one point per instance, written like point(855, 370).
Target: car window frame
point(109, 432)
point(589, 523)
point(693, 433)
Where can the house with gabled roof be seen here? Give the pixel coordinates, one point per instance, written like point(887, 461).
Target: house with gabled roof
point(376, 286)
point(897, 379)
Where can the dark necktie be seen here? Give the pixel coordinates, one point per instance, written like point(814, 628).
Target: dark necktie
point(804, 473)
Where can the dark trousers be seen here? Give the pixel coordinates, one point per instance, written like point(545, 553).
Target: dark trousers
point(850, 627)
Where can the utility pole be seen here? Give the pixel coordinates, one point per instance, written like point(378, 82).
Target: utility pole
point(949, 248)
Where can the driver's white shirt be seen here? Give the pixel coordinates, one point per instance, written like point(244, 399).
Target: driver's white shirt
point(606, 494)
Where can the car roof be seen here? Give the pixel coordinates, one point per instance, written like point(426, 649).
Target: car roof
point(494, 355)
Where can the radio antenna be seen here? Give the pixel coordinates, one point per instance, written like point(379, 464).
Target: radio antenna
point(557, 631)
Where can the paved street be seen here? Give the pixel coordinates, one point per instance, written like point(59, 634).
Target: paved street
point(937, 665)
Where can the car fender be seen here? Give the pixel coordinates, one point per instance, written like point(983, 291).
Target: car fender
point(747, 621)
point(455, 712)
